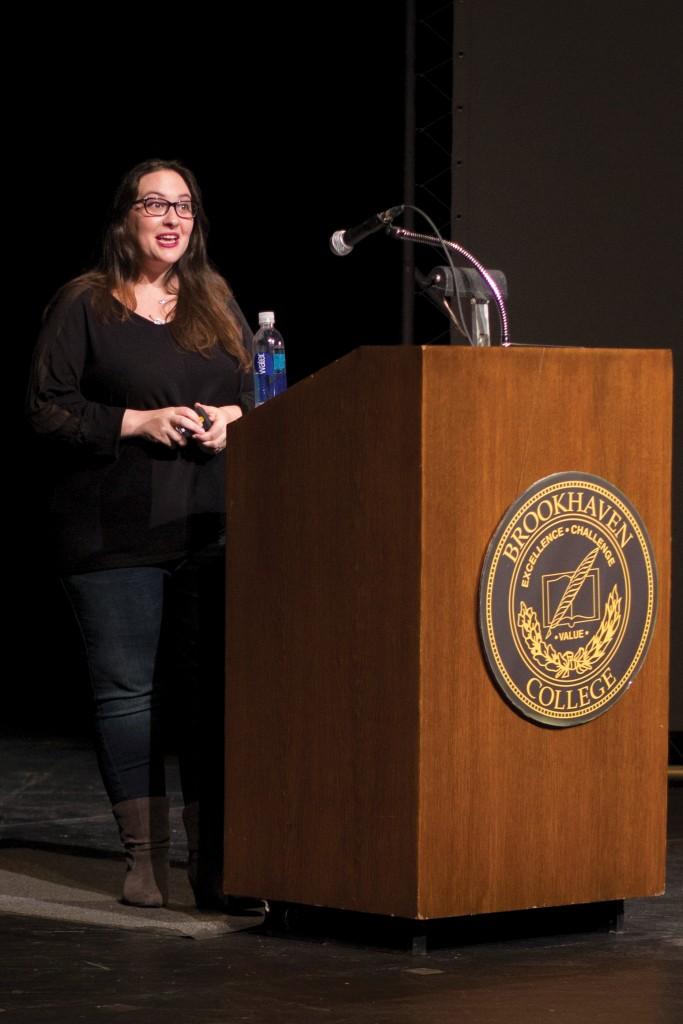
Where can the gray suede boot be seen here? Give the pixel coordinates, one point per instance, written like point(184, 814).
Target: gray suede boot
point(203, 863)
point(205, 869)
point(144, 831)
point(191, 822)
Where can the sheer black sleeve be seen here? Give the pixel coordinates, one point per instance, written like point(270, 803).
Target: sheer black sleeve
point(56, 406)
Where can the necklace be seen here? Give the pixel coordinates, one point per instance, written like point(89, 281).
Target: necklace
point(162, 302)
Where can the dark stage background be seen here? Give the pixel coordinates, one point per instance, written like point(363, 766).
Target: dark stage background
point(568, 179)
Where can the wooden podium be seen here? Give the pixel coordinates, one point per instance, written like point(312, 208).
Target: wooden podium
point(372, 763)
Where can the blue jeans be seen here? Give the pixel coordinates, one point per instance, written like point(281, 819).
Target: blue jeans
point(154, 640)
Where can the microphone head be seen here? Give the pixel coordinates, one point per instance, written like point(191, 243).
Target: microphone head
point(338, 246)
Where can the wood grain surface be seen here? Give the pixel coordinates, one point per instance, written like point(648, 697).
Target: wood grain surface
point(513, 814)
point(372, 763)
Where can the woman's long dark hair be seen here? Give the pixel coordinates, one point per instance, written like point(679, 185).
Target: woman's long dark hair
point(203, 315)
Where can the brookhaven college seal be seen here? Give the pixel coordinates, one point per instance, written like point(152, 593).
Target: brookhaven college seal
point(568, 598)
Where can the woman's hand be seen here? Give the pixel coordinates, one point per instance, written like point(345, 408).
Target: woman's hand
point(161, 425)
point(213, 440)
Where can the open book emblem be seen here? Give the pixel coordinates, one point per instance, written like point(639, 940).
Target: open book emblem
point(570, 597)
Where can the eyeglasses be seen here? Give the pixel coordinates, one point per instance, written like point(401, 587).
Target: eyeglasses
point(156, 207)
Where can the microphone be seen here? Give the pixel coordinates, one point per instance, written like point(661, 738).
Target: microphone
point(342, 242)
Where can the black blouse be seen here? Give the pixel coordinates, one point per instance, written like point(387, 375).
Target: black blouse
point(126, 501)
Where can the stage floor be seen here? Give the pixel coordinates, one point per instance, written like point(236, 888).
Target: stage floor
point(71, 952)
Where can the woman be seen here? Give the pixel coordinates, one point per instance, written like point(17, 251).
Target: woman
point(141, 366)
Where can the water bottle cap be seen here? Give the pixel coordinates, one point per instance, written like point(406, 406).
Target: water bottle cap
point(266, 319)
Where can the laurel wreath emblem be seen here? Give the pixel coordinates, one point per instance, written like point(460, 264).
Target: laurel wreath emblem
point(562, 663)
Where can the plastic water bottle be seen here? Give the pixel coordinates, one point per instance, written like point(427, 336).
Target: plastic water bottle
point(279, 362)
point(270, 369)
